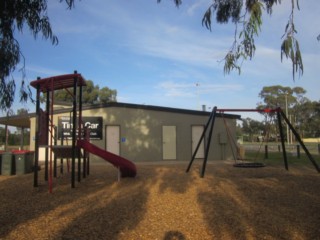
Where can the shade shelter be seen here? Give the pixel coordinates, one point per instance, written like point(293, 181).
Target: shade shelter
point(20, 121)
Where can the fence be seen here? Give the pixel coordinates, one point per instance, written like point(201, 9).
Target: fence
point(291, 148)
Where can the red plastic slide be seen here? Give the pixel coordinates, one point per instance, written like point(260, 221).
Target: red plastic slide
point(127, 168)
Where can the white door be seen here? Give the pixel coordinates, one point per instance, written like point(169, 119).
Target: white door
point(196, 135)
point(169, 142)
point(113, 139)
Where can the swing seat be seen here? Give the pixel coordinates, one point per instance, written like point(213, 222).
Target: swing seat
point(249, 165)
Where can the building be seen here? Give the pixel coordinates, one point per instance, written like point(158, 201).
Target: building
point(147, 133)
point(143, 133)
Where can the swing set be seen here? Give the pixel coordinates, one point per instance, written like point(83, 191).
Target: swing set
point(280, 115)
point(236, 150)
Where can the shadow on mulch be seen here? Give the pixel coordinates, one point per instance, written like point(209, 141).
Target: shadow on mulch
point(176, 180)
point(174, 235)
point(110, 218)
point(98, 202)
point(268, 203)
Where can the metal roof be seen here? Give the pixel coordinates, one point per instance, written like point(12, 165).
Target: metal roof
point(148, 107)
point(58, 82)
point(22, 121)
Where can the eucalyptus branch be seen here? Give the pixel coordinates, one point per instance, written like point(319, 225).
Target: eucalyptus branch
point(290, 45)
point(244, 49)
point(25, 91)
point(17, 16)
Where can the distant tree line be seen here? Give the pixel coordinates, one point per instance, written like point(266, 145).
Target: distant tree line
point(91, 94)
point(303, 114)
point(14, 137)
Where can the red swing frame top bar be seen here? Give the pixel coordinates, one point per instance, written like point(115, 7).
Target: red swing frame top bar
point(59, 82)
point(266, 110)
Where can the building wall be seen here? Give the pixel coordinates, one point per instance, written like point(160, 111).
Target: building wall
point(141, 132)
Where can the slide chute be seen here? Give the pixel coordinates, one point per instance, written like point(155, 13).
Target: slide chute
point(127, 168)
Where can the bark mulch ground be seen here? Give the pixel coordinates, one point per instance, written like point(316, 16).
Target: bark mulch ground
point(163, 202)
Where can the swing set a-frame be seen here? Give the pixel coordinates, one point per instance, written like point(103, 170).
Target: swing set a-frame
point(280, 115)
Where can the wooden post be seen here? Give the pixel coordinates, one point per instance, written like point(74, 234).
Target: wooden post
point(209, 141)
point(266, 156)
point(282, 140)
point(36, 147)
point(74, 128)
point(200, 140)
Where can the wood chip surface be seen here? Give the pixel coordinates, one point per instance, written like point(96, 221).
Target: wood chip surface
point(166, 203)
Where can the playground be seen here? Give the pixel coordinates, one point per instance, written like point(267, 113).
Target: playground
point(164, 202)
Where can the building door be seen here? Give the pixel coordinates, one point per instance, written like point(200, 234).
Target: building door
point(196, 135)
point(113, 139)
point(169, 142)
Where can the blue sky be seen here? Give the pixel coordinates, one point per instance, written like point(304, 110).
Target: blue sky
point(157, 54)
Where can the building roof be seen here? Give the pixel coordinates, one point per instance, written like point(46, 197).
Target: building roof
point(24, 120)
point(156, 108)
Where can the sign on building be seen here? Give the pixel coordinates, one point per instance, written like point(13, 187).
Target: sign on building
point(94, 124)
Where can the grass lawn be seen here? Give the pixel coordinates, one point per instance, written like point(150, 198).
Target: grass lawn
point(257, 153)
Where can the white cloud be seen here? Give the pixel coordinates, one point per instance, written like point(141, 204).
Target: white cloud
point(43, 71)
point(158, 37)
point(172, 89)
point(198, 5)
point(184, 89)
point(222, 88)
point(178, 44)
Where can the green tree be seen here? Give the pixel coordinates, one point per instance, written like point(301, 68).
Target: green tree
point(15, 15)
point(22, 111)
point(302, 113)
point(107, 95)
point(91, 94)
point(252, 129)
point(280, 96)
point(307, 118)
